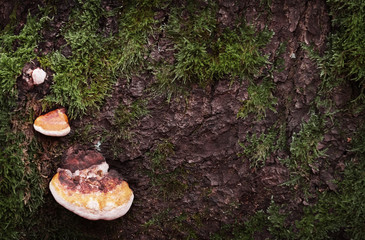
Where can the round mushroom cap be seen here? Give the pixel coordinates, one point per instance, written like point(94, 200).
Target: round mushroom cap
point(54, 123)
point(92, 193)
point(38, 76)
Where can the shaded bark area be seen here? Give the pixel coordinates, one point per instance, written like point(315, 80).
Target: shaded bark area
point(16, 11)
point(203, 181)
point(218, 186)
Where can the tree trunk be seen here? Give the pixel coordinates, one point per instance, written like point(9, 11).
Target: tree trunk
point(193, 165)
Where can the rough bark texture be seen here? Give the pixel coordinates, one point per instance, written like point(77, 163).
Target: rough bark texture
point(206, 180)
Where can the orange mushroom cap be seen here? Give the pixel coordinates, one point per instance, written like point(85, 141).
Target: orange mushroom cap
point(54, 123)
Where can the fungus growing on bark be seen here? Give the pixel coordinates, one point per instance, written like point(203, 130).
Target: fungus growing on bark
point(38, 76)
point(54, 123)
point(84, 186)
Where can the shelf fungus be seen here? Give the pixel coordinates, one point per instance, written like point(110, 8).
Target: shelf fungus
point(85, 186)
point(54, 123)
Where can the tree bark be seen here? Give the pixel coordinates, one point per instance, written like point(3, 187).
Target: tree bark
point(199, 182)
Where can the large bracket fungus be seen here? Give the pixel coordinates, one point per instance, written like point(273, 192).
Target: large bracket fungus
point(54, 123)
point(85, 187)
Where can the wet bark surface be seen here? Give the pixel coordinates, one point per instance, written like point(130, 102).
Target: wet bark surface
point(204, 177)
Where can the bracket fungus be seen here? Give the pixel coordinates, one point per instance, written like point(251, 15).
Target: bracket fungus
point(54, 123)
point(86, 187)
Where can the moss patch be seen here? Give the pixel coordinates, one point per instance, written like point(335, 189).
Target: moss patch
point(205, 51)
point(21, 186)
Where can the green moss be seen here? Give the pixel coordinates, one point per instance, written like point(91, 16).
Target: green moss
point(242, 231)
point(158, 157)
point(186, 224)
point(15, 51)
point(84, 135)
point(20, 183)
point(345, 57)
point(343, 210)
point(182, 226)
point(337, 214)
point(304, 154)
point(84, 79)
point(126, 116)
point(239, 51)
point(205, 52)
point(304, 150)
point(158, 219)
point(135, 24)
point(172, 184)
point(21, 191)
point(260, 94)
point(260, 100)
point(347, 45)
point(259, 148)
point(266, 4)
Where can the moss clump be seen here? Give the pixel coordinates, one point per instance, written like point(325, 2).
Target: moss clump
point(345, 57)
point(136, 22)
point(243, 231)
point(84, 79)
point(260, 148)
point(182, 225)
point(21, 191)
point(15, 51)
point(205, 51)
point(260, 100)
point(347, 42)
point(339, 215)
point(171, 183)
point(304, 152)
point(126, 117)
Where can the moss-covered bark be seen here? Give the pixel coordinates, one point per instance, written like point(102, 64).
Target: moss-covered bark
point(228, 119)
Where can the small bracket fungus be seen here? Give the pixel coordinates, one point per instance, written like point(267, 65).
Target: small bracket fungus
point(38, 76)
point(54, 123)
point(85, 187)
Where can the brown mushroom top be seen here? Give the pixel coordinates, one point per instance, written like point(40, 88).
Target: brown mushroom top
point(81, 159)
point(80, 183)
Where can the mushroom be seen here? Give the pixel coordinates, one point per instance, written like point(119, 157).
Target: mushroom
point(54, 123)
point(84, 186)
point(38, 76)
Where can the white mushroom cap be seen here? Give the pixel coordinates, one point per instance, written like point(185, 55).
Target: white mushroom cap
point(38, 76)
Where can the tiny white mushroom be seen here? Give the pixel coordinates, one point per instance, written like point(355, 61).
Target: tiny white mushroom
point(38, 76)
